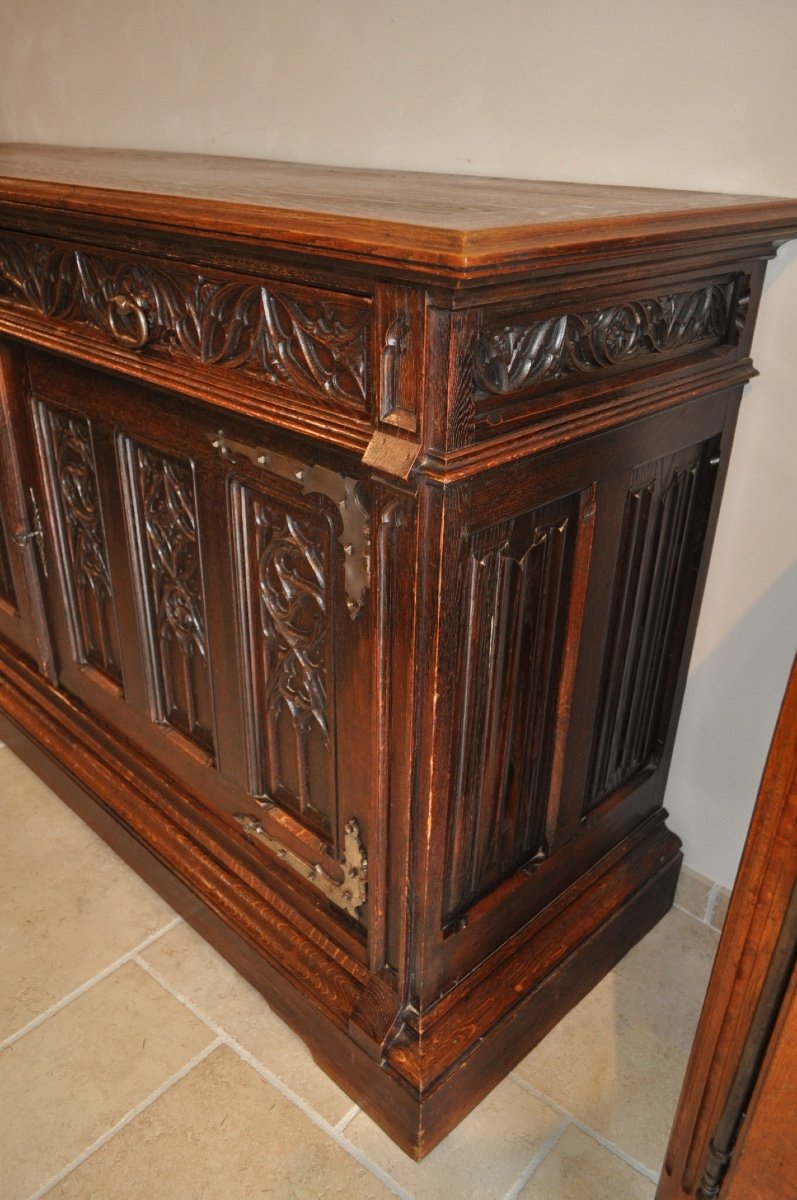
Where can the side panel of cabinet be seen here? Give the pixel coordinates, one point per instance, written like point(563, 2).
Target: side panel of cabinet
point(660, 543)
point(519, 589)
point(576, 607)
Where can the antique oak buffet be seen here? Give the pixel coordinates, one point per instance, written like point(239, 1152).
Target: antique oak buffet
point(354, 526)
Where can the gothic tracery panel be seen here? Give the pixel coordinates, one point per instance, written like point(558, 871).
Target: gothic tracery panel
point(285, 586)
point(82, 546)
point(165, 535)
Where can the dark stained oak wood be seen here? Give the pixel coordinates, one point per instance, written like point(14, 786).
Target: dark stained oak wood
point(353, 529)
point(733, 1134)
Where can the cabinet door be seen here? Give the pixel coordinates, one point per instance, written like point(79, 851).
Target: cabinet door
point(22, 552)
point(204, 606)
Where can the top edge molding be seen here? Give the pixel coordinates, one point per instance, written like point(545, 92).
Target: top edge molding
point(446, 224)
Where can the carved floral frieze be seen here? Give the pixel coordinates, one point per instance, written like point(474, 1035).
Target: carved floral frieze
point(310, 340)
point(513, 358)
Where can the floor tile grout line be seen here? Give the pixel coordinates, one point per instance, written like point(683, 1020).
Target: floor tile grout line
point(321, 1122)
point(279, 1085)
point(700, 920)
point(88, 984)
point(711, 903)
point(593, 1133)
point(130, 1116)
point(537, 1161)
point(347, 1118)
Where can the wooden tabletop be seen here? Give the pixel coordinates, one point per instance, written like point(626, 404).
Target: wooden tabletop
point(455, 221)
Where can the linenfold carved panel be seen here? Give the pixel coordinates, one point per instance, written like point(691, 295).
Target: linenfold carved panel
point(309, 340)
point(664, 525)
point(7, 591)
point(512, 358)
point(516, 609)
point(164, 533)
point(284, 582)
point(82, 548)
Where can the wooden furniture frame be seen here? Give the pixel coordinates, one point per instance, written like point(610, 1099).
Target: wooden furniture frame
point(354, 527)
point(733, 1134)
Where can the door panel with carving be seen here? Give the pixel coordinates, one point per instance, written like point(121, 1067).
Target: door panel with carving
point(226, 679)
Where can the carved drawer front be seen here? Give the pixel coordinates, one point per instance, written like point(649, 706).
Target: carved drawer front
point(520, 359)
point(661, 542)
point(294, 341)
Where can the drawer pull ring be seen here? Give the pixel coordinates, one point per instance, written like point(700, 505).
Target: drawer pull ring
point(127, 318)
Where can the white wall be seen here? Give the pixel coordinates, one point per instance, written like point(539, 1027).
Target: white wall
point(686, 93)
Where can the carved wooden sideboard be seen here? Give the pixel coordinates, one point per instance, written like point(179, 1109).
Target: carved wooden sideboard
point(354, 526)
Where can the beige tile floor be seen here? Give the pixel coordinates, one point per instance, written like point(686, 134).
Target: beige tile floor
point(135, 1063)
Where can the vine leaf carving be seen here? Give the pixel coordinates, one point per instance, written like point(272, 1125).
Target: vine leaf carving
point(75, 465)
point(165, 526)
point(284, 576)
point(513, 358)
point(306, 339)
point(293, 617)
point(341, 489)
point(170, 523)
point(85, 555)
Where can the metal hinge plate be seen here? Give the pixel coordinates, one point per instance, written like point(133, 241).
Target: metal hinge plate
point(350, 894)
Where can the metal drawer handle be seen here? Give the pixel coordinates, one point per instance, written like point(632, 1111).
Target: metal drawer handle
point(127, 317)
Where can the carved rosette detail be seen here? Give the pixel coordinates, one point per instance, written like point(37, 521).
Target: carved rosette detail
point(315, 343)
point(292, 593)
point(513, 358)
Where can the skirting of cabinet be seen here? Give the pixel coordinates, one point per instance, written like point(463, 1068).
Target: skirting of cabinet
point(428, 1077)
